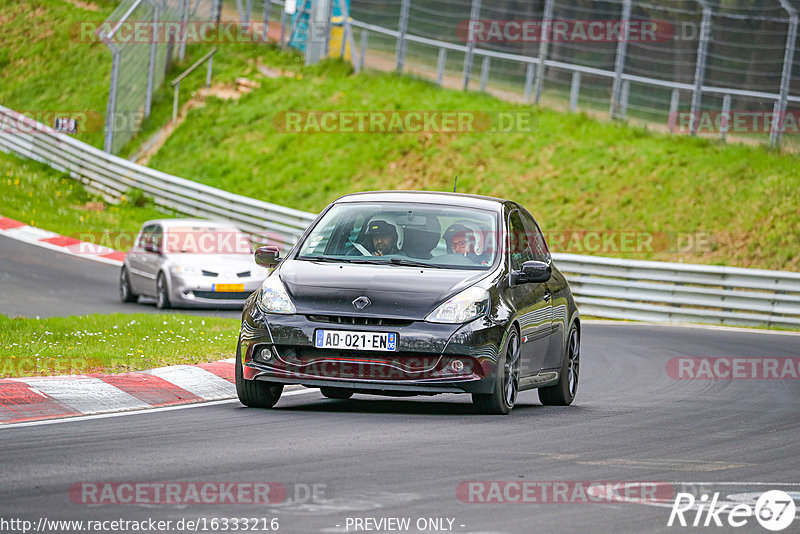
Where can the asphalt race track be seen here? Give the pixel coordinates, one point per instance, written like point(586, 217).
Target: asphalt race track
point(373, 458)
point(405, 458)
point(37, 281)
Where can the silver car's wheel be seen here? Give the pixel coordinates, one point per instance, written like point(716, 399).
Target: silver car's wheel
point(162, 292)
point(125, 292)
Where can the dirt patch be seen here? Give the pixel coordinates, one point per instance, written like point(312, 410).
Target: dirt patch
point(94, 206)
point(270, 72)
point(90, 6)
point(198, 100)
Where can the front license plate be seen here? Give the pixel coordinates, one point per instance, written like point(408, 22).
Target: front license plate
point(348, 339)
point(228, 288)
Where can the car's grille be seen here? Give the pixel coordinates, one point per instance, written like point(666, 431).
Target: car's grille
point(368, 321)
point(377, 356)
point(209, 273)
point(243, 274)
point(222, 295)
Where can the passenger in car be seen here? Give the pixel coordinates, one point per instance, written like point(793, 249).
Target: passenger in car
point(461, 240)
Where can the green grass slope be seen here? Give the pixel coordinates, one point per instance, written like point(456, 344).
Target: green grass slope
point(574, 173)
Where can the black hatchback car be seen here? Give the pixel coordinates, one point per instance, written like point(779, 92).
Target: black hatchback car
point(413, 293)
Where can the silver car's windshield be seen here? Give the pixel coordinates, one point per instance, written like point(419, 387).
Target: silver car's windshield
point(395, 233)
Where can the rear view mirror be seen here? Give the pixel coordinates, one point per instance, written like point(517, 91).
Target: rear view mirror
point(268, 256)
point(532, 272)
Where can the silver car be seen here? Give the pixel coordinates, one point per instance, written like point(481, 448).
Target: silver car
point(190, 263)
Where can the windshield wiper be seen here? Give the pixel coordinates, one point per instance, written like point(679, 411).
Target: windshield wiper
point(414, 263)
point(324, 258)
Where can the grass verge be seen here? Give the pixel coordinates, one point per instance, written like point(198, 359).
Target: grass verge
point(37, 195)
point(111, 343)
point(703, 201)
point(695, 200)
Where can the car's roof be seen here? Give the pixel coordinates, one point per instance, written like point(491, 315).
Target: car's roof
point(427, 197)
point(205, 223)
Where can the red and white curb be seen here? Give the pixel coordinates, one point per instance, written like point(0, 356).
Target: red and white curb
point(43, 397)
point(36, 236)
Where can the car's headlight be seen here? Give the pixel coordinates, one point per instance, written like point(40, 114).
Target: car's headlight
point(465, 306)
point(274, 298)
point(186, 270)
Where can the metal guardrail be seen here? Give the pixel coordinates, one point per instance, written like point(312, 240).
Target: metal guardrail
point(603, 287)
point(679, 292)
point(113, 176)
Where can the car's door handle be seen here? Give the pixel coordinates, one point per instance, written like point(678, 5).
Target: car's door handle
point(546, 296)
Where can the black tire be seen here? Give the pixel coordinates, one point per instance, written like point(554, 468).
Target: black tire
point(506, 386)
point(162, 292)
point(563, 393)
point(126, 294)
point(336, 393)
point(253, 393)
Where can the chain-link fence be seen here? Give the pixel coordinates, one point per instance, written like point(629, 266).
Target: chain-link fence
point(693, 66)
point(144, 37)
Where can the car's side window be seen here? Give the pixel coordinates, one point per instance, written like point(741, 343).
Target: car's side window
point(158, 237)
point(518, 243)
point(145, 236)
point(536, 239)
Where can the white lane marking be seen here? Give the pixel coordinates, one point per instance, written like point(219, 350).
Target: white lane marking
point(37, 392)
point(229, 360)
point(736, 483)
point(667, 463)
point(721, 328)
point(195, 380)
point(86, 394)
point(143, 411)
point(26, 235)
point(29, 234)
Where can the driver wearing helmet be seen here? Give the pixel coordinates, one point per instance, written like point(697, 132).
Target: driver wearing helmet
point(382, 238)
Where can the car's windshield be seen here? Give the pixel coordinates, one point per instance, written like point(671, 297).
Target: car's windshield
point(409, 234)
point(206, 240)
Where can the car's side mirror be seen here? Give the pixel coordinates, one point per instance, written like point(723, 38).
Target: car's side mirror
point(149, 246)
point(532, 272)
point(268, 256)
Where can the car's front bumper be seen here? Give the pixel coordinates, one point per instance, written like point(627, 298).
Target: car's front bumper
point(200, 291)
point(422, 364)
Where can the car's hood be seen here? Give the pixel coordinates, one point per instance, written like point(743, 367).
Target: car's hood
point(219, 263)
point(394, 291)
